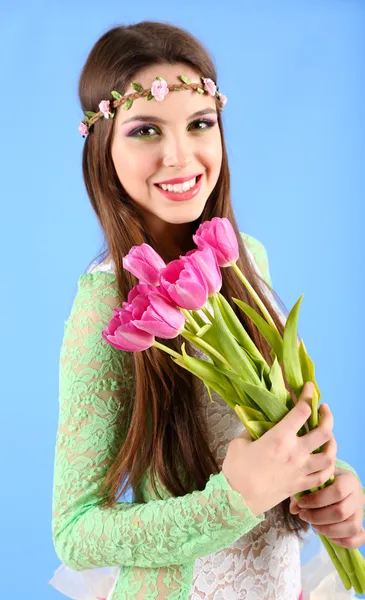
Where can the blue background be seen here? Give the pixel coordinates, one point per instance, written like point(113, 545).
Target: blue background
point(295, 125)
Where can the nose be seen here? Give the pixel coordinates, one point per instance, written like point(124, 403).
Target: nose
point(177, 152)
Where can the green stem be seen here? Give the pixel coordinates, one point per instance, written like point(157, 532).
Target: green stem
point(209, 348)
point(167, 349)
point(338, 566)
point(344, 557)
point(254, 295)
point(207, 314)
point(191, 319)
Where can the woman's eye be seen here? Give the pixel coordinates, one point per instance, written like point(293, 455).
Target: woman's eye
point(202, 124)
point(146, 132)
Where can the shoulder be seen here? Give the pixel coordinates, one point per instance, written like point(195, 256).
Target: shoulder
point(258, 253)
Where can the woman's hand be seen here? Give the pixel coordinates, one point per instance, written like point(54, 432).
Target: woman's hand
point(336, 511)
point(268, 470)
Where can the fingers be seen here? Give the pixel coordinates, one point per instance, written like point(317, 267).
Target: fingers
point(320, 435)
point(328, 515)
point(351, 542)
point(317, 479)
point(324, 459)
point(297, 416)
point(344, 529)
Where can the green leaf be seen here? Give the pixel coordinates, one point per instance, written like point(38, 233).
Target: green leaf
point(86, 119)
point(89, 113)
point(202, 331)
point(239, 332)
point(270, 405)
point(159, 78)
point(235, 355)
point(307, 367)
point(184, 79)
point(128, 104)
point(277, 382)
point(116, 95)
point(252, 414)
point(176, 89)
point(291, 361)
point(150, 96)
point(111, 115)
point(137, 86)
point(258, 428)
point(200, 90)
point(198, 318)
point(209, 392)
point(271, 335)
point(206, 371)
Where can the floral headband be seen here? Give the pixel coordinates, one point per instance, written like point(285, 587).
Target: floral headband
point(158, 90)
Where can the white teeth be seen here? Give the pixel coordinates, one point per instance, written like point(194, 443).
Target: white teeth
point(178, 187)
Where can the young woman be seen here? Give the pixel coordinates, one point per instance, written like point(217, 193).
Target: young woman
point(210, 516)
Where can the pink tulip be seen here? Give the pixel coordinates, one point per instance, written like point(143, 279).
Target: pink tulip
point(219, 235)
point(124, 335)
point(140, 288)
point(157, 315)
point(183, 283)
point(205, 261)
point(145, 263)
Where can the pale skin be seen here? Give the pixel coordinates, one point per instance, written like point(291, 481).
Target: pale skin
point(182, 145)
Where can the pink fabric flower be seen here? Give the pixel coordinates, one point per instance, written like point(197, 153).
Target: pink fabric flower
point(104, 107)
point(210, 86)
point(122, 334)
point(83, 129)
point(223, 99)
point(219, 235)
point(205, 261)
point(144, 263)
point(183, 283)
point(159, 89)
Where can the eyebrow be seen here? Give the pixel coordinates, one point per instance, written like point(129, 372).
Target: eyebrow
point(199, 113)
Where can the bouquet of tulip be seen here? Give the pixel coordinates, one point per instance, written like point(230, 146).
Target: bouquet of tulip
point(173, 299)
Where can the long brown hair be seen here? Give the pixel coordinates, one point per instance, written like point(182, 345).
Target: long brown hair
point(176, 453)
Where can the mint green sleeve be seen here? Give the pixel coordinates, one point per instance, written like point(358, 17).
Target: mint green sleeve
point(260, 255)
point(93, 381)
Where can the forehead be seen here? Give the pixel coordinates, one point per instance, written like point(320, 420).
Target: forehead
point(175, 105)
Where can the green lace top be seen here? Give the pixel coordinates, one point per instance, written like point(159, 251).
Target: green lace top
point(155, 544)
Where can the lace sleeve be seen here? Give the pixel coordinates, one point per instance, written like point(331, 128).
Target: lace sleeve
point(92, 384)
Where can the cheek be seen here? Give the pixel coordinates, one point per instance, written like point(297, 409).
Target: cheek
point(213, 153)
point(134, 165)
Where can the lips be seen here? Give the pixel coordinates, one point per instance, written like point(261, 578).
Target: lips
point(178, 179)
point(182, 196)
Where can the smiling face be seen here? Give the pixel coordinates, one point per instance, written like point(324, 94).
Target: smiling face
point(158, 141)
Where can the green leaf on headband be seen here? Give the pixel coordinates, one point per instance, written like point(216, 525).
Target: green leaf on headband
point(184, 79)
point(128, 104)
point(89, 113)
point(111, 115)
point(200, 90)
point(150, 96)
point(86, 119)
point(116, 95)
point(176, 89)
point(137, 86)
point(159, 78)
